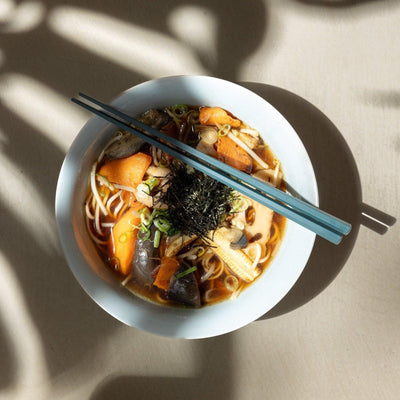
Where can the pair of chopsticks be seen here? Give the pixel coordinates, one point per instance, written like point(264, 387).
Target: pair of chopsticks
point(323, 224)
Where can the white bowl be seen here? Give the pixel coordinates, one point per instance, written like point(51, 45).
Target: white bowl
point(101, 285)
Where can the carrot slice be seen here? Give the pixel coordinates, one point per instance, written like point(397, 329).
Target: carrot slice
point(123, 238)
point(169, 265)
point(128, 171)
point(232, 154)
point(217, 115)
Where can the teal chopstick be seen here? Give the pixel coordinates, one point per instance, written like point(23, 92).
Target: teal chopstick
point(312, 218)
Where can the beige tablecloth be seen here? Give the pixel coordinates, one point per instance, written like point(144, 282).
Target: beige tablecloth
point(332, 68)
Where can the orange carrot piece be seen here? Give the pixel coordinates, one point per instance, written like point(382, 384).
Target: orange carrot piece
point(123, 238)
point(169, 265)
point(217, 115)
point(232, 154)
point(128, 171)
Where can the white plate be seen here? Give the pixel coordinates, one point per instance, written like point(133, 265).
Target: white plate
point(99, 282)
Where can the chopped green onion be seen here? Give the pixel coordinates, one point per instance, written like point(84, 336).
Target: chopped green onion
point(186, 272)
point(162, 224)
point(144, 234)
point(150, 184)
point(163, 163)
point(193, 117)
point(157, 237)
point(240, 204)
point(179, 109)
point(104, 181)
point(224, 130)
point(145, 216)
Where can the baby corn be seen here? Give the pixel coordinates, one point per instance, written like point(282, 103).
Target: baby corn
point(236, 260)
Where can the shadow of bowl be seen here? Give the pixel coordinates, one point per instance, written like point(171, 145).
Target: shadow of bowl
point(338, 185)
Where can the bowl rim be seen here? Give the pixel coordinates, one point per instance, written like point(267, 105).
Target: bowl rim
point(103, 288)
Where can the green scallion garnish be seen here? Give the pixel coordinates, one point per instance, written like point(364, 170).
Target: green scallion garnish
point(150, 184)
point(179, 109)
point(162, 224)
point(224, 130)
point(157, 237)
point(145, 216)
point(186, 272)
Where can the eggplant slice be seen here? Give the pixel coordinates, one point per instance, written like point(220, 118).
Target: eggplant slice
point(184, 290)
point(145, 259)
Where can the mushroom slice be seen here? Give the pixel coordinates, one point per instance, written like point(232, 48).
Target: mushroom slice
point(177, 244)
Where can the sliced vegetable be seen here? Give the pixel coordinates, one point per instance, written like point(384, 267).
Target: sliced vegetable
point(145, 259)
point(123, 144)
point(259, 230)
point(217, 115)
point(154, 118)
point(184, 288)
point(208, 134)
point(206, 148)
point(127, 171)
point(123, 237)
point(150, 184)
point(157, 238)
point(186, 272)
point(248, 150)
point(168, 267)
point(232, 154)
point(236, 260)
point(177, 244)
point(224, 130)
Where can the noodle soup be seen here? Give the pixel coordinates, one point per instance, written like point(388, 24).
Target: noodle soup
point(173, 235)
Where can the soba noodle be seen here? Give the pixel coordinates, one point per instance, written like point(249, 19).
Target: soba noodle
point(210, 261)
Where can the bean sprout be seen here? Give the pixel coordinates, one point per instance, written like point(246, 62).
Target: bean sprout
point(193, 253)
point(111, 200)
point(97, 220)
point(94, 238)
point(94, 189)
point(126, 188)
point(207, 275)
point(107, 224)
point(119, 207)
point(248, 150)
point(126, 280)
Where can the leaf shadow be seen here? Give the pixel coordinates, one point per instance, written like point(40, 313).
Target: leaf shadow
point(70, 324)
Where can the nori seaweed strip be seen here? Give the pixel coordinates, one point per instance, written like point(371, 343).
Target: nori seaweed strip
point(197, 204)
